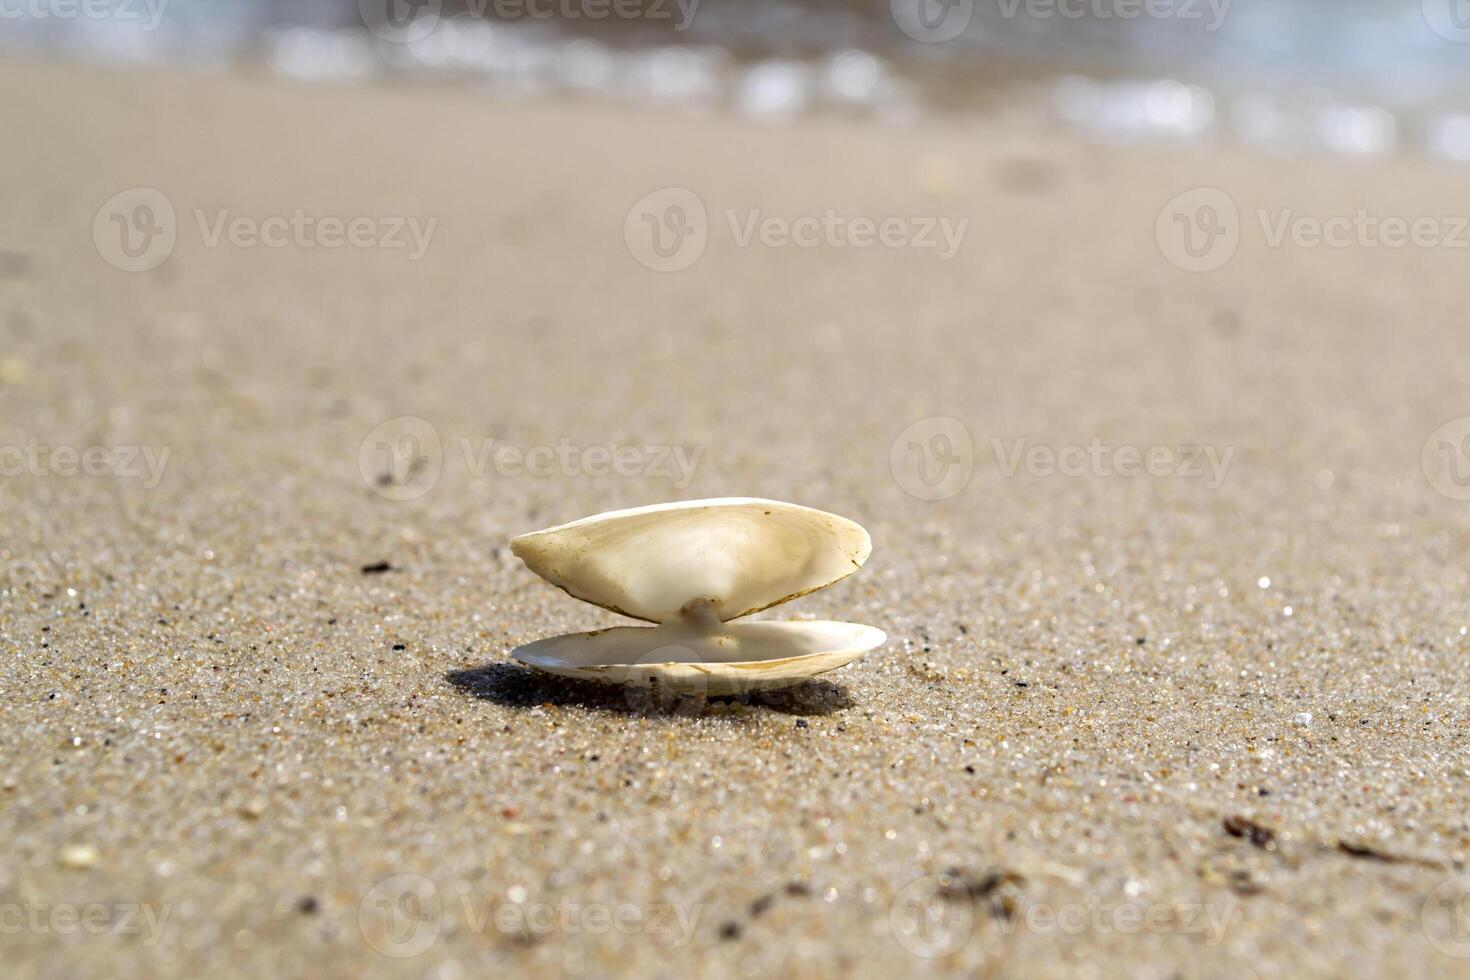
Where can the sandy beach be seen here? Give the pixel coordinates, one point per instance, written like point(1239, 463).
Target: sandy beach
point(1175, 680)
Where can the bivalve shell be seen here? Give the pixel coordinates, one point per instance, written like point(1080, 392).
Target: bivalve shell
point(740, 554)
point(691, 567)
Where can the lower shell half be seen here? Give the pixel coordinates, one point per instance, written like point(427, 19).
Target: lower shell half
point(732, 659)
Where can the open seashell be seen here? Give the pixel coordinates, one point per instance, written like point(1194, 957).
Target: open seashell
point(692, 567)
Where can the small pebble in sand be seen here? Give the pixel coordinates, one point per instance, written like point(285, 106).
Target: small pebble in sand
point(79, 856)
point(1258, 834)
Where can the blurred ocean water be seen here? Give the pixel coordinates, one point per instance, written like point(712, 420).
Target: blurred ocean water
point(1351, 77)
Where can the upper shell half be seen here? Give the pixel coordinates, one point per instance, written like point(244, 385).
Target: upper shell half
point(738, 554)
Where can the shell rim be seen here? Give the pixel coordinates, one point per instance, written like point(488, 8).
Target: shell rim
point(718, 674)
point(711, 503)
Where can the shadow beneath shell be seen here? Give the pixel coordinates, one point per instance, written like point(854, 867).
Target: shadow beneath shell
point(515, 686)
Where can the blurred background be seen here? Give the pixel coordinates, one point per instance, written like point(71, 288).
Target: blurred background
point(1353, 77)
point(280, 281)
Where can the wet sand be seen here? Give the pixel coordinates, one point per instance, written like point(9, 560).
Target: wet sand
point(261, 714)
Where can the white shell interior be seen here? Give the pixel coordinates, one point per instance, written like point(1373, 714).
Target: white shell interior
point(727, 659)
point(737, 554)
